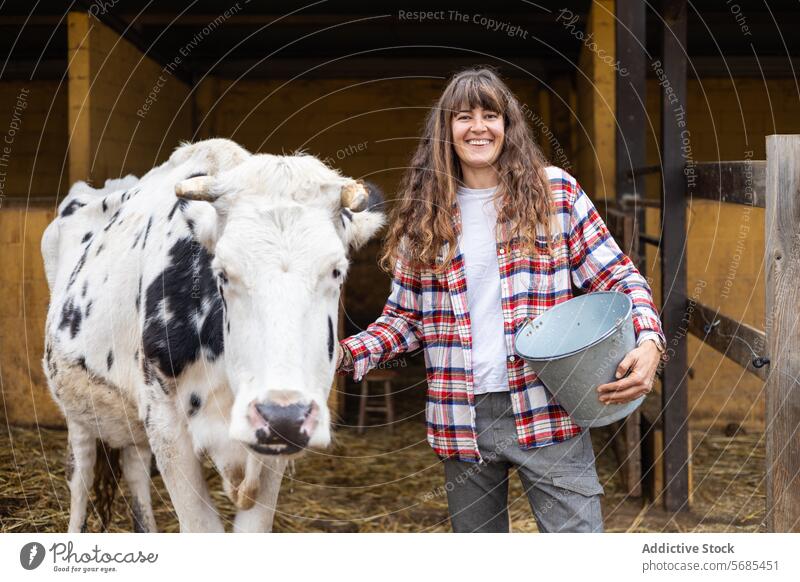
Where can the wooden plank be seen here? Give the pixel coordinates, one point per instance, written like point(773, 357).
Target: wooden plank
point(733, 339)
point(736, 182)
point(79, 97)
point(673, 256)
point(782, 260)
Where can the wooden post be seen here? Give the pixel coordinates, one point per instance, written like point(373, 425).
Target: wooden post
point(675, 137)
point(630, 107)
point(782, 260)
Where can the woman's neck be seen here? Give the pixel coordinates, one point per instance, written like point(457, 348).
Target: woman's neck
point(479, 177)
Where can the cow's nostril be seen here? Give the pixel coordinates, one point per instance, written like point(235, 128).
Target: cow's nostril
point(289, 414)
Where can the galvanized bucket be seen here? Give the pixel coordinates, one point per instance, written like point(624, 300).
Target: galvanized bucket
point(576, 346)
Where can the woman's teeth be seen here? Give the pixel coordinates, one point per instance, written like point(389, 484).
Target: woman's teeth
point(478, 141)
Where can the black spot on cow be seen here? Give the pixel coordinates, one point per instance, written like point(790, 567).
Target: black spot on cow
point(78, 266)
point(69, 468)
point(147, 417)
point(86, 237)
point(85, 288)
point(138, 300)
point(81, 363)
point(137, 513)
point(179, 204)
point(136, 239)
point(112, 220)
point(88, 309)
point(70, 317)
point(105, 205)
point(185, 290)
point(190, 224)
point(52, 369)
point(194, 404)
point(71, 208)
point(147, 231)
point(330, 338)
point(136, 355)
point(110, 359)
point(228, 325)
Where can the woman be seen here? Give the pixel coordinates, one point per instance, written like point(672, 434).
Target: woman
point(484, 236)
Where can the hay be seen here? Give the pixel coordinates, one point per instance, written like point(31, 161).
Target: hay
point(381, 482)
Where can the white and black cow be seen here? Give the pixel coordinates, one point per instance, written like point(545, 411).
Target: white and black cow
point(193, 312)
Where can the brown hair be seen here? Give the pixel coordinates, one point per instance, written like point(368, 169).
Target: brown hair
point(421, 220)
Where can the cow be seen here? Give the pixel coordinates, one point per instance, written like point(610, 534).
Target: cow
point(193, 313)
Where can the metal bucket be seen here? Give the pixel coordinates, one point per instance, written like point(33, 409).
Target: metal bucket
point(576, 346)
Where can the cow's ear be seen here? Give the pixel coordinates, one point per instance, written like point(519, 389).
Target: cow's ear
point(360, 227)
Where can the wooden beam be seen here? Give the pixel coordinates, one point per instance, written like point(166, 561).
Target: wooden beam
point(673, 256)
point(736, 182)
point(631, 115)
point(782, 266)
point(79, 97)
point(733, 339)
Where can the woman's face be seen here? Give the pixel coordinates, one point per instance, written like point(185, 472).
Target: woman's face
point(478, 136)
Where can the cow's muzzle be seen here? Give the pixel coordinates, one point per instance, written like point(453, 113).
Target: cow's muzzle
point(281, 428)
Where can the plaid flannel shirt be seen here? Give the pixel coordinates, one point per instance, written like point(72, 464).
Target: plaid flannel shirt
point(429, 310)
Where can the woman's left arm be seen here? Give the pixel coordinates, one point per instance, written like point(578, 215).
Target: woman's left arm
point(598, 264)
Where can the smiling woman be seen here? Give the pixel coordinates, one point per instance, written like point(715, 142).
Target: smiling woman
point(485, 236)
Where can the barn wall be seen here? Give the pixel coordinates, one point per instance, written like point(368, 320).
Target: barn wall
point(366, 129)
point(726, 242)
point(34, 121)
point(596, 99)
point(126, 112)
point(33, 164)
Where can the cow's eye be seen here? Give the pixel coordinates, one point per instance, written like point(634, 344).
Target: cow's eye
point(222, 276)
point(336, 273)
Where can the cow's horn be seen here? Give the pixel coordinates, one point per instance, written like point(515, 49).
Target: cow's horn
point(197, 188)
point(355, 197)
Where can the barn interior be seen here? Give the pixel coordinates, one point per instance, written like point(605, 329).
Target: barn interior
point(96, 90)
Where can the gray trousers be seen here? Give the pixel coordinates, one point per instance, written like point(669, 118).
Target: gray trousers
point(560, 480)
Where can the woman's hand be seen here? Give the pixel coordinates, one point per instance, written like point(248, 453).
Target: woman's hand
point(642, 363)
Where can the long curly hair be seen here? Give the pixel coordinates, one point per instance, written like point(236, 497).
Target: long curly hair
point(422, 219)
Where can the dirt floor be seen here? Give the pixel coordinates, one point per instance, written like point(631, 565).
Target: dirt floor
point(382, 482)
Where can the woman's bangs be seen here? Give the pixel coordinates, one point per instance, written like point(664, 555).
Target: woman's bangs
point(475, 92)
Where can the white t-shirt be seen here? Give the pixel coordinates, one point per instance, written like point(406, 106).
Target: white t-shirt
point(479, 249)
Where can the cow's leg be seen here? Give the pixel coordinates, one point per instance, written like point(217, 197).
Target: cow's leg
point(82, 456)
point(136, 469)
point(180, 468)
point(259, 517)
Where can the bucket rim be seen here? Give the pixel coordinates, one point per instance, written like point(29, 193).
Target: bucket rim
point(603, 337)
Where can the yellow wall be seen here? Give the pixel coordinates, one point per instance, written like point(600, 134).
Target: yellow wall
point(726, 241)
point(126, 114)
point(596, 95)
point(34, 120)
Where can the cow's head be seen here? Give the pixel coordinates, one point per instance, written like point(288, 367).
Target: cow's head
point(281, 229)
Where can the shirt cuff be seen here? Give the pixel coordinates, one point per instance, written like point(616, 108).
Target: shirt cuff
point(651, 335)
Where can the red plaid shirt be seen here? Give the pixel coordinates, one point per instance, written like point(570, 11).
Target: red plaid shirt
point(429, 309)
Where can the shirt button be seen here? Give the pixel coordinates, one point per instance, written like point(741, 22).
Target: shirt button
point(512, 358)
point(502, 251)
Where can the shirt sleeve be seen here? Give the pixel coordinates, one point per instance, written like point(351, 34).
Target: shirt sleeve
point(397, 330)
point(598, 264)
